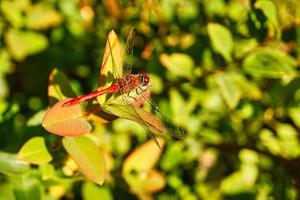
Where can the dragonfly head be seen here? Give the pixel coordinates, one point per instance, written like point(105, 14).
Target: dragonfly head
point(144, 78)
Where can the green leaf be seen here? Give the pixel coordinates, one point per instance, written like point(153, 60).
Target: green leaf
point(270, 141)
point(47, 171)
point(5, 62)
point(172, 157)
point(6, 192)
point(186, 10)
point(244, 47)
point(26, 187)
point(88, 158)
point(35, 151)
point(289, 142)
point(270, 63)
point(294, 114)
point(9, 164)
point(179, 106)
point(221, 39)
point(3, 87)
point(24, 43)
point(15, 15)
point(233, 86)
point(269, 9)
point(36, 119)
point(42, 17)
point(167, 8)
point(91, 191)
point(157, 85)
point(230, 92)
point(244, 179)
point(180, 64)
point(214, 7)
point(59, 87)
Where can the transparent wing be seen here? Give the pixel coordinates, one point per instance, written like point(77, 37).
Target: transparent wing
point(128, 51)
point(122, 107)
point(127, 55)
point(155, 122)
point(127, 105)
point(170, 127)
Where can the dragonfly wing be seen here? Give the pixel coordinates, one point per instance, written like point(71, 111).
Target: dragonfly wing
point(151, 125)
point(154, 121)
point(128, 51)
point(121, 62)
point(136, 114)
point(172, 129)
point(169, 127)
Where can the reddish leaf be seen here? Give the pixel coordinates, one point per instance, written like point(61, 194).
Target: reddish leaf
point(66, 121)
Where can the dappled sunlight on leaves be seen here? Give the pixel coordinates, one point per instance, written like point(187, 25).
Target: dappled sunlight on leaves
point(225, 72)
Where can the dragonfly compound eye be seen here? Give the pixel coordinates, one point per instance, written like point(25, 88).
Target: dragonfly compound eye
point(144, 78)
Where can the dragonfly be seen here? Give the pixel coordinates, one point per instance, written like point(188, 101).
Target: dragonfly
point(131, 91)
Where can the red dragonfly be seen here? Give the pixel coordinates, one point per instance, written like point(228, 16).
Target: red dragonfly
point(130, 92)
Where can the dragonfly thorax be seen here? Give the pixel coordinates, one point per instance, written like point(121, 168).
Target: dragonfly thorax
point(131, 81)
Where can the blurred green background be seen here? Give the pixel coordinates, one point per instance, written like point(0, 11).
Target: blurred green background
point(226, 71)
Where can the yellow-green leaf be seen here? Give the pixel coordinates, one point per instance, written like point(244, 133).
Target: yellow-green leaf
point(9, 164)
point(47, 171)
point(112, 62)
point(15, 15)
point(229, 90)
point(179, 64)
point(154, 182)
point(42, 17)
point(138, 168)
point(270, 63)
point(144, 157)
point(221, 39)
point(91, 191)
point(268, 7)
point(233, 86)
point(88, 158)
point(24, 43)
point(59, 87)
point(294, 113)
point(35, 151)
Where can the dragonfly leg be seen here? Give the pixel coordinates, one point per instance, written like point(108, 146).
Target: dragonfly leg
point(93, 110)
